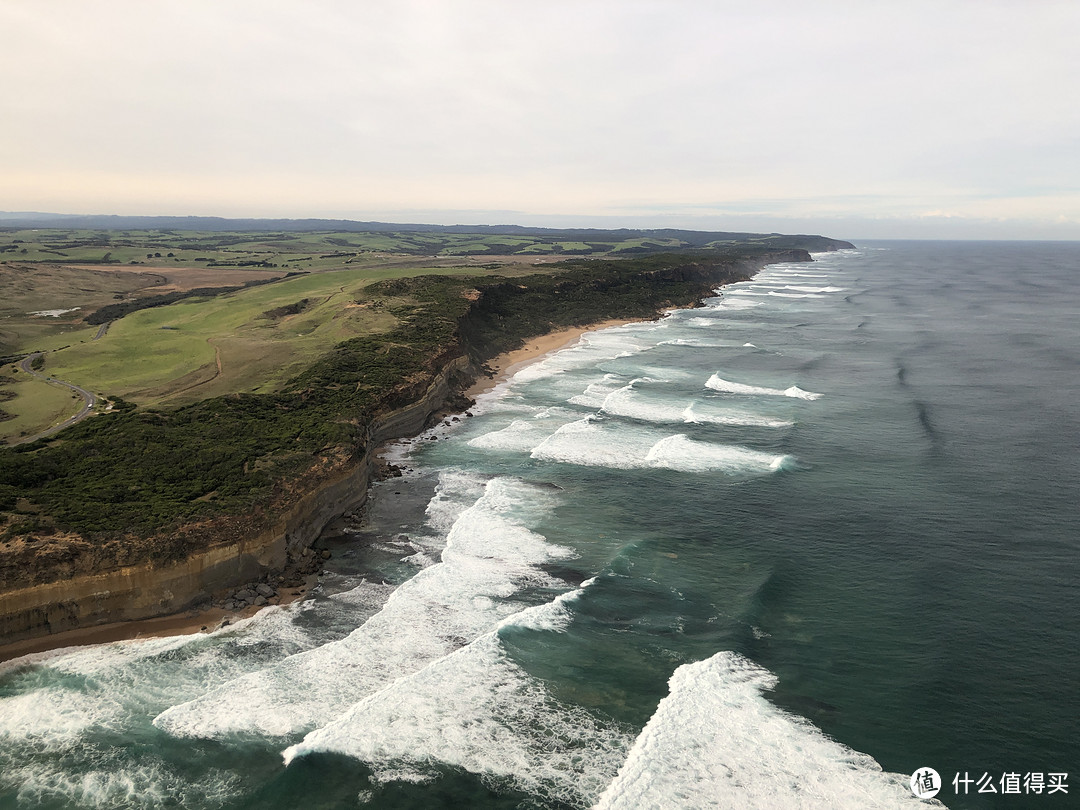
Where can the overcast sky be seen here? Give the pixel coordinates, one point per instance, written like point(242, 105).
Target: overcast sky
point(854, 119)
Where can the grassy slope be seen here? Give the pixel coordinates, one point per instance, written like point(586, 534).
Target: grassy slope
point(36, 406)
point(145, 353)
point(169, 355)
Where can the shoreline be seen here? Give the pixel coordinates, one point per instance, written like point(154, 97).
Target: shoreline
point(507, 364)
point(502, 367)
point(185, 623)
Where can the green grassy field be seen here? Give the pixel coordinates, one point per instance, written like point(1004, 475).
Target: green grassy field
point(162, 355)
point(36, 404)
point(307, 250)
point(252, 340)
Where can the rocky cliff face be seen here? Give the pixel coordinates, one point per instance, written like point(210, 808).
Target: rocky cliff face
point(146, 590)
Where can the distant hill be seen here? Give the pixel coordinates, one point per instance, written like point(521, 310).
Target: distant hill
point(33, 219)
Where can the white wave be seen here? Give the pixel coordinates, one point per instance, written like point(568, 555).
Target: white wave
point(536, 371)
point(420, 559)
point(554, 616)
point(718, 383)
point(518, 436)
point(489, 555)
point(456, 491)
point(595, 394)
point(555, 412)
point(387, 775)
point(781, 285)
point(628, 403)
point(734, 304)
point(698, 413)
point(684, 454)
point(795, 295)
point(148, 784)
point(67, 693)
point(52, 718)
point(697, 344)
point(479, 711)
point(500, 400)
point(592, 444)
point(593, 348)
point(522, 435)
point(714, 741)
point(97, 658)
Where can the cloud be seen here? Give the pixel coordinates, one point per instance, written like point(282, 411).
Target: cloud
point(589, 107)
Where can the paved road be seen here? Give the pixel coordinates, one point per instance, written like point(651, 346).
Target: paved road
point(89, 400)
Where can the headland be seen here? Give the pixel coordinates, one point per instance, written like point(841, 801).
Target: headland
point(209, 497)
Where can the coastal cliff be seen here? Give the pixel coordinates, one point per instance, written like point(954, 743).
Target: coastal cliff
point(212, 556)
point(147, 589)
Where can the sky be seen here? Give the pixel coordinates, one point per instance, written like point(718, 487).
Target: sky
point(851, 118)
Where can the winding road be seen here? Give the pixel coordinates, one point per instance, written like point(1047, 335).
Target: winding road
point(89, 400)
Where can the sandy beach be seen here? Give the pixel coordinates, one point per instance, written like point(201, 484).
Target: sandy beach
point(503, 367)
point(535, 349)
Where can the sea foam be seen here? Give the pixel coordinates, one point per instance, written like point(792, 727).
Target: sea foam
point(490, 554)
point(714, 741)
point(519, 435)
point(629, 402)
point(151, 783)
point(592, 443)
point(593, 348)
point(595, 394)
point(480, 711)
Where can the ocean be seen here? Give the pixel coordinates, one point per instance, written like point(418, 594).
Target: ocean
point(780, 551)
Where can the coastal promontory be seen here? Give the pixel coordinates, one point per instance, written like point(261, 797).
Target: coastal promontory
point(239, 383)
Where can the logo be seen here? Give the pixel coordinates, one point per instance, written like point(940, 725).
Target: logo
point(925, 783)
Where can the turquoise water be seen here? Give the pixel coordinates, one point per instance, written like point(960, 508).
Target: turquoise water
point(779, 551)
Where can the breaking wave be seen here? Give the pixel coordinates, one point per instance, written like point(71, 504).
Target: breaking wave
point(715, 741)
point(595, 444)
point(718, 383)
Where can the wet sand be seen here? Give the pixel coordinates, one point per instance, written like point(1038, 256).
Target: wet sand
point(535, 349)
point(177, 624)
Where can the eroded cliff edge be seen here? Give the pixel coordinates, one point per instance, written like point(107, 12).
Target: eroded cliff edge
point(211, 556)
point(147, 589)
